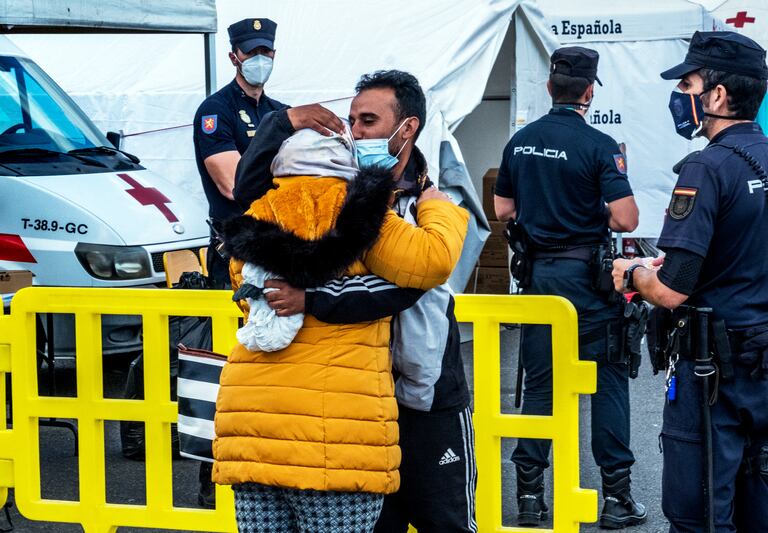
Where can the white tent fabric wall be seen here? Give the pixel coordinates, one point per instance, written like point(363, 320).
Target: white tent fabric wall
point(636, 41)
point(531, 68)
point(139, 83)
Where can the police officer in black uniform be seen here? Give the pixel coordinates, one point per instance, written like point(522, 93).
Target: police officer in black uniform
point(223, 127)
point(565, 184)
point(226, 122)
point(716, 241)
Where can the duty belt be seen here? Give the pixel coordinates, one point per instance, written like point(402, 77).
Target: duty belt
point(582, 253)
point(747, 347)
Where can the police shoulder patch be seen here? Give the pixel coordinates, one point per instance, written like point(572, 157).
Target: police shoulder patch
point(621, 163)
point(682, 202)
point(209, 123)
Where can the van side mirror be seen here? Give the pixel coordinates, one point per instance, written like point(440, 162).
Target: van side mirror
point(115, 138)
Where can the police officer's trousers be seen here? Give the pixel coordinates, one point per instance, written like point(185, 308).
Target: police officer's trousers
point(218, 269)
point(739, 431)
point(571, 279)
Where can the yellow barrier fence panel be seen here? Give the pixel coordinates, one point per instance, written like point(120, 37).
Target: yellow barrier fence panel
point(6, 446)
point(91, 409)
point(19, 448)
point(570, 377)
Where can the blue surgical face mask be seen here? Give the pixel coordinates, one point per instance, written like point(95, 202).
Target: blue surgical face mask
point(688, 113)
point(376, 151)
point(256, 69)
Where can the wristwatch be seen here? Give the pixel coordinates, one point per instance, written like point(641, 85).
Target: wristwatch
point(629, 276)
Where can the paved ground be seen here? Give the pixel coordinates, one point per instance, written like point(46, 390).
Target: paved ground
point(126, 479)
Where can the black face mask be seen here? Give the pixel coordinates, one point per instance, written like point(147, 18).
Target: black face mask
point(688, 113)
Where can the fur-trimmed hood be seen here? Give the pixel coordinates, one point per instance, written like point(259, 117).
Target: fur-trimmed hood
point(311, 263)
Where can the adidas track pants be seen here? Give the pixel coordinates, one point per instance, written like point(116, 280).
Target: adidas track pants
point(438, 475)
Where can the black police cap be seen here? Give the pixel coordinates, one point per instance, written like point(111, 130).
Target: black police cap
point(726, 51)
point(576, 62)
point(248, 34)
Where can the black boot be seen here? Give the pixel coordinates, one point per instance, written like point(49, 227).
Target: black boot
point(619, 510)
point(531, 507)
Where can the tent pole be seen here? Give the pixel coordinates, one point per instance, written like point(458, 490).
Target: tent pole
point(210, 63)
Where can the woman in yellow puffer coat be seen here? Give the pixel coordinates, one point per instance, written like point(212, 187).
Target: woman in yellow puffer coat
point(311, 430)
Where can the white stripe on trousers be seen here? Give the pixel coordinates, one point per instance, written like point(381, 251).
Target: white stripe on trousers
point(470, 465)
point(474, 464)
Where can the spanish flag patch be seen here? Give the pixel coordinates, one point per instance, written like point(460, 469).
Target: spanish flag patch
point(682, 202)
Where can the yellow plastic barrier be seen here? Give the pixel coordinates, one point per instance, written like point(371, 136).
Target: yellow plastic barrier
point(20, 447)
point(91, 409)
point(570, 377)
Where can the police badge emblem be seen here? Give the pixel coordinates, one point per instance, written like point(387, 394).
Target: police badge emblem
point(209, 123)
point(682, 201)
point(621, 163)
point(257, 25)
point(244, 117)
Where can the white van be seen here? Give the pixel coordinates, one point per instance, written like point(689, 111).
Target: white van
point(75, 210)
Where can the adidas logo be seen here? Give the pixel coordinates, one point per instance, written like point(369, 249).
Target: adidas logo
point(449, 457)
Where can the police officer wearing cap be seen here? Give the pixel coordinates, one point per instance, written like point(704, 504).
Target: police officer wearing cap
point(714, 278)
point(226, 122)
point(565, 183)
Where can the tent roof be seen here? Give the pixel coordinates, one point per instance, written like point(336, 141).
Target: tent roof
point(608, 20)
point(168, 16)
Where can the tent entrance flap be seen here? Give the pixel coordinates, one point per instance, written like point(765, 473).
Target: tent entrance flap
point(483, 133)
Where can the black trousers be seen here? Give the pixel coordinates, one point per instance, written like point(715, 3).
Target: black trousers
point(438, 475)
point(218, 269)
point(739, 433)
point(571, 279)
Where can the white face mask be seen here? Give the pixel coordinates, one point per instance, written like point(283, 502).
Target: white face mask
point(256, 69)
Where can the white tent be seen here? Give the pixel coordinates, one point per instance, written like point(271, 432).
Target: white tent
point(636, 41)
point(139, 83)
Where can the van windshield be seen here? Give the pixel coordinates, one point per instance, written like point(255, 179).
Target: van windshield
point(36, 114)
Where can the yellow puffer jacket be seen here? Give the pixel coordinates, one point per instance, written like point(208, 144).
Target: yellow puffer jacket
point(321, 413)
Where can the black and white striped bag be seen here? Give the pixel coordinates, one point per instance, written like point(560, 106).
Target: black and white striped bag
point(197, 388)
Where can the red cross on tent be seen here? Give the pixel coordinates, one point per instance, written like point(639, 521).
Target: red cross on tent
point(740, 19)
point(149, 196)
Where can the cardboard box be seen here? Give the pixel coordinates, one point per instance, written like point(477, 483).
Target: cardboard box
point(488, 280)
point(489, 182)
point(494, 252)
point(14, 280)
